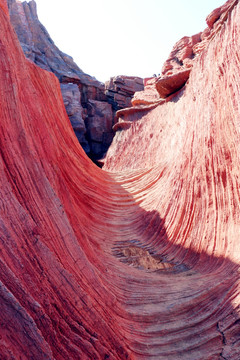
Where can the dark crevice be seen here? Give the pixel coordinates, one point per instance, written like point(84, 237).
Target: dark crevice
point(223, 342)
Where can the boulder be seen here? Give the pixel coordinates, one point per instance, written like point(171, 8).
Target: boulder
point(167, 85)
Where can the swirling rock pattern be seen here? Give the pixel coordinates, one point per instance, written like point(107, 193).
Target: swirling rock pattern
point(137, 264)
point(40, 48)
point(114, 95)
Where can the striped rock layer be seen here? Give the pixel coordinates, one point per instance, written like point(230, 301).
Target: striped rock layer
point(138, 263)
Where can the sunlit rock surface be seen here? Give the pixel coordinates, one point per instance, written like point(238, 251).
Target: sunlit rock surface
point(118, 92)
point(137, 264)
point(40, 48)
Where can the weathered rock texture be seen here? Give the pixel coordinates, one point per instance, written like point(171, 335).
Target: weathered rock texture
point(177, 68)
point(120, 90)
point(139, 264)
point(186, 143)
point(39, 47)
point(72, 101)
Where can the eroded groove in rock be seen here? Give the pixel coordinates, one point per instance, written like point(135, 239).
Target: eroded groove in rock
point(65, 224)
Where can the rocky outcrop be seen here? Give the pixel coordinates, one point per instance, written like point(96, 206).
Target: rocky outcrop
point(120, 90)
point(176, 69)
point(149, 95)
point(99, 123)
point(171, 85)
point(39, 48)
point(92, 124)
point(167, 85)
point(182, 55)
point(139, 264)
point(72, 101)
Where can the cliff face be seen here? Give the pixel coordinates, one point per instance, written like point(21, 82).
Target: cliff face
point(121, 89)
point(139, 264)
point(40, 48)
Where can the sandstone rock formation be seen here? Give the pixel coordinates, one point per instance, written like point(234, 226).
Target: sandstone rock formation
point(120, 90)
point(138, 264)
point(99, 123)
point(39, 47)
point(149, 95)
point(176, 69)
point(187, 146)
point(72, 101)
point(181, 55)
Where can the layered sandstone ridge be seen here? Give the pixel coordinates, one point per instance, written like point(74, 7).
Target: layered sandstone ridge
point(94, 133)
point(176, 70)
point(137, 264)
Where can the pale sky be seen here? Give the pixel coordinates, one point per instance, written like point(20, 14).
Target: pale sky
point(122, 37)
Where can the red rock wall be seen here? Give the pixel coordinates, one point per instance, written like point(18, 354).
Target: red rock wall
point(189, 143)
point(40, 48)
point(53, 302)
point(142, 264)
